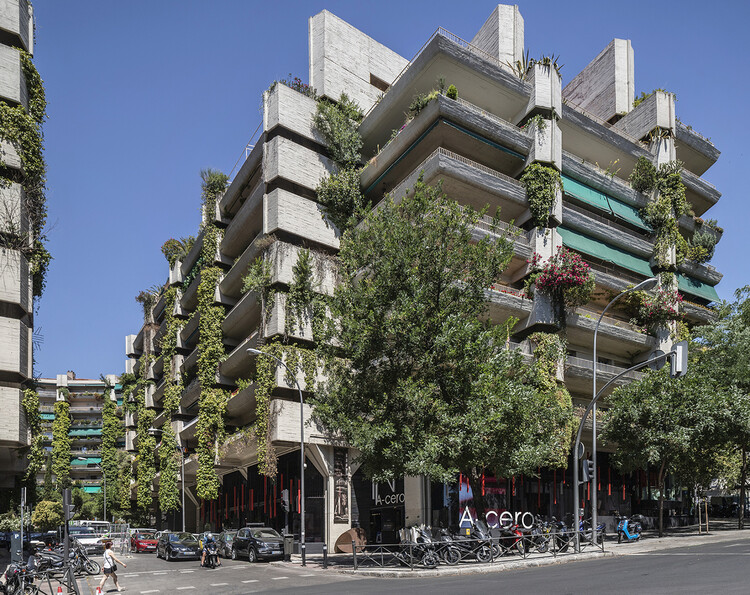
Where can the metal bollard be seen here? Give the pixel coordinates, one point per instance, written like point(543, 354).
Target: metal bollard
point(354, 554)
point(302, 551)
point(325, 556)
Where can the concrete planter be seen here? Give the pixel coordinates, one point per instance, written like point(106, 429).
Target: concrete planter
point(547, 144)
point(15, 349)
point(12, 80)
point(13, 420)
point(17, 18)
point(546, 91)
point(15, 283)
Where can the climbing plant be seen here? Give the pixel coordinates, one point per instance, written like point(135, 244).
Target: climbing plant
point(301, 294)
point(341, 198)
point(61, 445)
point(643, 176)
point(36, 455)
point(701, 246)
point(258, 280)
point(112, 432)
point(23, 130)
point(542, 184)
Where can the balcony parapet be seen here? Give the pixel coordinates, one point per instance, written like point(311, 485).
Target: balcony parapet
point(696, 151)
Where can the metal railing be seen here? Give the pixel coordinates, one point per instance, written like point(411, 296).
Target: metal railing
point(594, 315)
point(600, 367)
point(539, 543)
point(246, 151)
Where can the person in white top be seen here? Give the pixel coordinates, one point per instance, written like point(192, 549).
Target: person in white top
point(110, 566)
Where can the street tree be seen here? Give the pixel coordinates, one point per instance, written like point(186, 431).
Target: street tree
point(660, 422)
point(48, 515)
point(419, 378)
point(723, 359)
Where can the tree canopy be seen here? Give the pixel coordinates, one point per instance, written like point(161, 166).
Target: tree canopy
point(420, 380)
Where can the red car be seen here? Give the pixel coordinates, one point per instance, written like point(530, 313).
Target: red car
point(143, 542)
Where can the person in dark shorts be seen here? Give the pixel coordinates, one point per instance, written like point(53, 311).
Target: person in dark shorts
point(110, 566)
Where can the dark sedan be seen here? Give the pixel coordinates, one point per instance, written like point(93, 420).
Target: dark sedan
point(178, 546)
point(258, 543)
point(225, 543)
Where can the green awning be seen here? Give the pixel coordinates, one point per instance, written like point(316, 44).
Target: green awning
point(617, 256)
point(603, 202)
point(47, 416)
point(88, 461)
point(92, 489)
point(692, 286)
point(83, 433)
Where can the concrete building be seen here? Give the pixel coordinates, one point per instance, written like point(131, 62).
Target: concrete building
point(16, 293)
point(86, 398)
point(478, 145)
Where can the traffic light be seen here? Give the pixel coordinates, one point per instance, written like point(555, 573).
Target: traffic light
point(69, 508)
point(679, 360)
point(285, 500)
point(588, 470)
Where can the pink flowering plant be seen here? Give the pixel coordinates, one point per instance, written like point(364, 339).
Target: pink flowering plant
point(653, 310)
point(565, 277)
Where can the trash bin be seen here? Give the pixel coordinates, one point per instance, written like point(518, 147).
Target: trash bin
point(288, 547)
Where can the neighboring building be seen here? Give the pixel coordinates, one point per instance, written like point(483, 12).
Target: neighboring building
point(86, 398)
point(16, 292)
point(478, 146)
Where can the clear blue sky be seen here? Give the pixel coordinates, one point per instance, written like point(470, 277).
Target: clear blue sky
point(143, 94)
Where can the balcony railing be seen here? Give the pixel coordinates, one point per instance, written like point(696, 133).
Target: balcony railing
point(601, 368)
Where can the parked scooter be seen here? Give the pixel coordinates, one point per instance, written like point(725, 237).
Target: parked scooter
point(628, 529)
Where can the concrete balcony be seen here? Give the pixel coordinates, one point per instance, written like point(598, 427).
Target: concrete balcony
point(188, 336)
point(579, 375)
point(698, 313)
point(701, 194)
point(175, 274)
point(14, 220)
point(702, 272)
point(15, 282)
point(17, 20)
point(605, 230)
point(239, 363)
point(130, 366)
point(231, 284)
point(616, 337)
point(284, 158)
point(694, 150)
point(286, 212)
point(480, 78)
point(13, 420)
point(15, 350)
point(243, 319)
point(285, 107)
point(241, 406)
point(130, 421)
point(245, 225)
point(9, 154)
point(130, 349)
point(656, 111)
point(457, 126)
point(247, 178)
point(504, 302)
point(277, 320)
point(594, 140)
point(12, 80)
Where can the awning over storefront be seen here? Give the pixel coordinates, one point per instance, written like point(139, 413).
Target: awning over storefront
point(692, 286)
point(617, 256)
point(603, 202)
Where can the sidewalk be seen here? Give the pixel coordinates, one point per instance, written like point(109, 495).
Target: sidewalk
point(721, 530)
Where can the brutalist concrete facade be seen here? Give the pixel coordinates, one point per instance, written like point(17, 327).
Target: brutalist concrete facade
point(16, 297)
point(478, 146)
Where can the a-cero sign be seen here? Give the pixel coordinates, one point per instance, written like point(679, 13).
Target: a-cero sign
point(496, 519)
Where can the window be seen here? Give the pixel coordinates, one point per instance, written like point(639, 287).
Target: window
point(378, 83)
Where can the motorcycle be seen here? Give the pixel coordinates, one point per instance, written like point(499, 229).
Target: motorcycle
point(584, 526)
point(212, 555)
point(628, 528)
point(563, 535)
point(417, 547)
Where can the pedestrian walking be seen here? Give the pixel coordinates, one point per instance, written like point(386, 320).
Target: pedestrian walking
point(110, 566)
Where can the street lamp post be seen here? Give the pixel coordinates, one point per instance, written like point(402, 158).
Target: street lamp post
point(302, 450)
point(642, 286)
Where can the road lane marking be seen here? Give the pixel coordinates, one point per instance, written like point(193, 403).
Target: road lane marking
point(151, 591)
point(155, 573)
point(183, 588)
point(220, 584)
point(255, 580)
point(279, 578)
point(304, 575)
point(186, 571)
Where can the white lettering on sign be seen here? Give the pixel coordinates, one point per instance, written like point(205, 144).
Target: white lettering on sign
point(390, 499)
point(495, 519)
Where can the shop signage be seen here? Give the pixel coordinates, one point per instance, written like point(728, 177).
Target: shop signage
point(389, 499)
point(497, 518)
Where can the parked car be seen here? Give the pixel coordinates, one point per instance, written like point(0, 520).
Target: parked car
point(257, 543)
point(91, 542)
point(133, 530)
point(178, 546)
point(143, 542)
point(225, 543)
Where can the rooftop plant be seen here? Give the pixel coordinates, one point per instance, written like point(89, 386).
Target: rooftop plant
point(542, 183)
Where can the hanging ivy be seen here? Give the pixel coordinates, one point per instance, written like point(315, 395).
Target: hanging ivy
point(301, 294)
point(212, 401)
point(61, 445)
point(145, 458)
point(643, 176)
point(169, 465)
point(125, 475)
point(542, 184)
point(258, 280)
point(36, 455)
point(112, 431)
point(23, 130)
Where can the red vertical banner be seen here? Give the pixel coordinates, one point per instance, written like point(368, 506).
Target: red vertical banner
point(252, 500)
point(554, 483)
point(588, 491)
point(482, 484)
point(623, 489)
point(299, 497)
point(609, 480)
point(291, 494)
point(460, 481)
point(513, 483)
point(598, 478)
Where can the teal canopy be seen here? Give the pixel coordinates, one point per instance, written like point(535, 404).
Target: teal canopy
point(692, 286)
point(84, 433)
point(603, 202)
point(47, 416)
point(92, 489)
point(88, 461)
point(617, 256)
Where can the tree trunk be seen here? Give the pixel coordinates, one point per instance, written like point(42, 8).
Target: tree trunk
point(743, 480)
point(480, 504)
point(661, 499)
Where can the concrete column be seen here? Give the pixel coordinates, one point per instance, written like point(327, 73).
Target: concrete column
point(415, 501)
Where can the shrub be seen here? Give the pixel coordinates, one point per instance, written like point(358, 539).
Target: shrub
point(452, 92)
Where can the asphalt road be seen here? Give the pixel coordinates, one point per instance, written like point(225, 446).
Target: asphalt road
point(706, 568)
